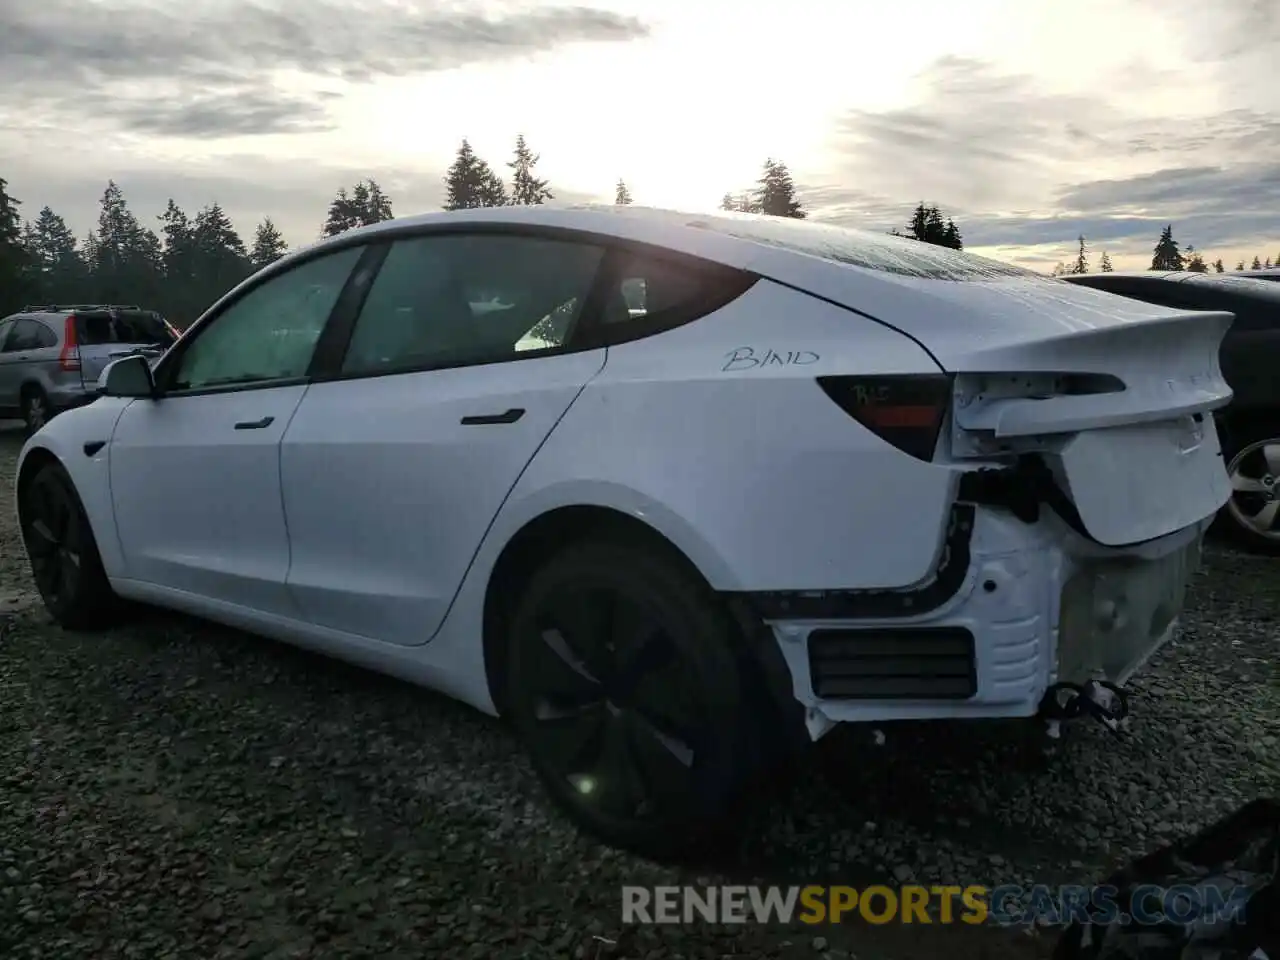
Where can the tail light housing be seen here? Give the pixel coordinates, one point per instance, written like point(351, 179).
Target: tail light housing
point(906, 411)
point(69, 358)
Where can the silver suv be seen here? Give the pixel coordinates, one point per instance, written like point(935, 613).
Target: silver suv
point(51, 356)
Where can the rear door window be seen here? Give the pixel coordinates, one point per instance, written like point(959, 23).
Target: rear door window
point(25, 336)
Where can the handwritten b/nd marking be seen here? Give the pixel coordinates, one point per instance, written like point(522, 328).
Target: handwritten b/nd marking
point(749, 358)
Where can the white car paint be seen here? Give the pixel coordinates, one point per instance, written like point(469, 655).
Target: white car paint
point(366, 525)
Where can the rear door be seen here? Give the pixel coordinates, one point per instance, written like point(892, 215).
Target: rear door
point(20, 352)
point(457, 370)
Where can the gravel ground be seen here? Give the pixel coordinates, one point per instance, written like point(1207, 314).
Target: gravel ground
point(175, 789)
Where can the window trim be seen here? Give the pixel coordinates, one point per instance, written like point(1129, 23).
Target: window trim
point(589, 333)
point(166, 369)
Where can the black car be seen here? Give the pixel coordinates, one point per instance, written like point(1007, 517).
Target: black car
point(1249, 427)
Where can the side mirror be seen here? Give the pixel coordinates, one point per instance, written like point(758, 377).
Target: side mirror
point(127, 377)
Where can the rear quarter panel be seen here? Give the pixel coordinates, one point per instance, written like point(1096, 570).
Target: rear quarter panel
point(750, 469)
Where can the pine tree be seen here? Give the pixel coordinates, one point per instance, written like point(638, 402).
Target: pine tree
point(621, 195)
point(127, 261)
point(776, 192)
point(951, 236)
point(1256, 265)
point(471, 182)
point(1266, 264)
point(1194, 262)
point(1104, 265)
point(1060, 270)
point(16, 280)
point(57, 269)
point(1240, 265)
point(1082, 260)
point(268, 245)
point(365, 204)
point(526, 189)
point(1217, 266)
point(926, 225)
point(341, 216)
point(1166, 255)
point(222, 261)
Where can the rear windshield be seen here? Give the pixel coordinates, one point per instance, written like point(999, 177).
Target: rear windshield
point(122, 326)
point(861, 248)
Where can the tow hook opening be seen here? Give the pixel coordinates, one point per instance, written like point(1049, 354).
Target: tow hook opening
point(1100, 699)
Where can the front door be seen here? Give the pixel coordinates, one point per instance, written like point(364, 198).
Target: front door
point(195, 473)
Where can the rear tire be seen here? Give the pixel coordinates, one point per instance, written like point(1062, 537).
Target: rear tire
point(1251, 517)
point(63, 553)
point(626, 685)
point(36, 411)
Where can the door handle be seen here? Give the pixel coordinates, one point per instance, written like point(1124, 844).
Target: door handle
point(511, 416)
point(255, 424)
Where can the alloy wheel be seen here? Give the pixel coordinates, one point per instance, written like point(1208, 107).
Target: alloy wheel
point(612, 711)
point(37, 415)
point(52, 532)
point(1255, 489)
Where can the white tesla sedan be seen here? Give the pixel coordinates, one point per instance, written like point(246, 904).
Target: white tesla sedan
point(797, 475)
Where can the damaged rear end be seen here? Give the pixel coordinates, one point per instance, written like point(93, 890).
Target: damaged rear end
point(1080, 429)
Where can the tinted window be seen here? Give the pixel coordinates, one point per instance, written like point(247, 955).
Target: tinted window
point(860, 248)
point(5, 327)
point(269, 333)
point(29, 335)
point(449, 300)
point(124, 326)
point(647, 286)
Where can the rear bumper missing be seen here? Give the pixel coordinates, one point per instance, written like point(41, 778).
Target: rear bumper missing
point(1030, 605)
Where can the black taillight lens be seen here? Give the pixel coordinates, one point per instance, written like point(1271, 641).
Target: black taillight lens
point(906, 411)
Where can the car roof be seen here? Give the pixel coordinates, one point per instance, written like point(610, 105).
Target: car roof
point(751, 242)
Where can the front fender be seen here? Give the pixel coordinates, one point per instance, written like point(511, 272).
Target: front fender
point(65, 438)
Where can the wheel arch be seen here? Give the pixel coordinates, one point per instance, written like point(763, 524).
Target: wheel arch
point(544, 535)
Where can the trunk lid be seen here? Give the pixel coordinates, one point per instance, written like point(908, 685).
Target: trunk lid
point(1115, 395)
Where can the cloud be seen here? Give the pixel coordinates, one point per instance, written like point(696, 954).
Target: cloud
point(221, 62)
point(1019, 166)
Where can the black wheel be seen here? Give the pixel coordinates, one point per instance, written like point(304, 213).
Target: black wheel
point(624, 681)
point(1252, 515)
point(36, 411)
point(63, 553)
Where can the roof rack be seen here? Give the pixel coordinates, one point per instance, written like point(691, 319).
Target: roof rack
point(63, 307)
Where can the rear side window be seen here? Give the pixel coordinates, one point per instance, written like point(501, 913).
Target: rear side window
point(123, 326)
point(29, 335)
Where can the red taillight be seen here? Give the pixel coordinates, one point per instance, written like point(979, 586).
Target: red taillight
point(69, 359)
point(906, 411)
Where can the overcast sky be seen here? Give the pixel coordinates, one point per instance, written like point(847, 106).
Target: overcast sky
point(1029, 122)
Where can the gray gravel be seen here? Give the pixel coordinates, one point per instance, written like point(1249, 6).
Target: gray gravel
point(175, 789)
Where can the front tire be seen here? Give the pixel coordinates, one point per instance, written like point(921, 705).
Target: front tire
point(1252, 516)
point(63, 553)
point(625, 683)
